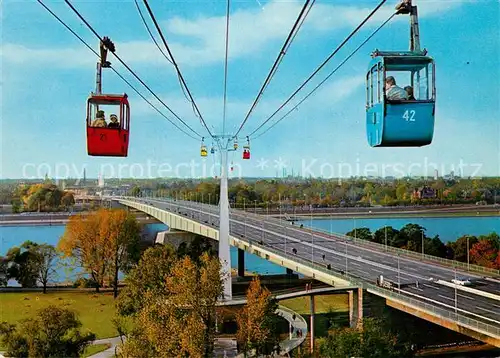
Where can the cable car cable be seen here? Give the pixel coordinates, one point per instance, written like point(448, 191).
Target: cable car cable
point(150, 33)
point(225, 70)
point(321, 66)
point(115, 71)
point(176, 67)
point(328, 77)
point(128, 68)
point(158, 46)
point(291, 36)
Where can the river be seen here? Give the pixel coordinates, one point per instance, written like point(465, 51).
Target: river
point(448, 229)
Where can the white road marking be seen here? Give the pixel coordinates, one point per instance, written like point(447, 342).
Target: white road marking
point(470, 298)
point(436, 288)
point(487, 310)
point(451, 299)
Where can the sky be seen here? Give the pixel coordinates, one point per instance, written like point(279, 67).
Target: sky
point(47, 75)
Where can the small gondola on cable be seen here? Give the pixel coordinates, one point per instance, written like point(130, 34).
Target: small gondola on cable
point(246, 150)
point(107, 138)
point(397, 116)
point(203, 149)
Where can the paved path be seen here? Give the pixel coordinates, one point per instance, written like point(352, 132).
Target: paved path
point(110, 352)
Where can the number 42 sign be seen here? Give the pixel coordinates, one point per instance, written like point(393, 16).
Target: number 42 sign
point(409, 115)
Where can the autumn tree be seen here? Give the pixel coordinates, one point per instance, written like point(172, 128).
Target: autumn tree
point(54, 332)
point(101, 243)
point(180, 321)
point(124, 237)
point(459, 247)
point(257, 321)
point(486, 251)
point(147, 277)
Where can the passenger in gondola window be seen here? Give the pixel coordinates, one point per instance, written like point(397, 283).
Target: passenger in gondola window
point(99, 121)
point(392, 91)
point(114, 121)
point(409, 92)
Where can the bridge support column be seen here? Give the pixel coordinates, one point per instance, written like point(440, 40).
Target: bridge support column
point(241, 263)
point(356, 308)
point(224, 252)
point(311, 323)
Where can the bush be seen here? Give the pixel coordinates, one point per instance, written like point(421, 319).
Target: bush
point(54, 332)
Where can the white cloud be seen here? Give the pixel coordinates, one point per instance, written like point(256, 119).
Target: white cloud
point(202, 39)
point(340, 89)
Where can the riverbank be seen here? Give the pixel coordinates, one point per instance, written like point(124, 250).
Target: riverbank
point(394, 215)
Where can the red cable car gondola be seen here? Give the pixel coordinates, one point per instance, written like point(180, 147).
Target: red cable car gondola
point(107, 138)
point(246, 150)
point(108, 141)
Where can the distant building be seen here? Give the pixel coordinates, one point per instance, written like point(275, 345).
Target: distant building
point(436, 174)
point(424, 193)
point(100, 181)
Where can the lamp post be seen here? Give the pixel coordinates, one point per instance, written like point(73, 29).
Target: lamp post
point(455, 285)
point(385, 227)
point(279, 203)
point(423, 244)
point(399, 276)
point(345, 241)
point(285, 238)
point(468, 264)
point(312, 236)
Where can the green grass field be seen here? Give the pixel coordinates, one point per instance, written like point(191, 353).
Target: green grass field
point(328, 309)
point(95, 311)
point(323, 304)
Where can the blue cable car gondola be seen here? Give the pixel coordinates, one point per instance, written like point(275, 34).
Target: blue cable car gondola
point(397, 117)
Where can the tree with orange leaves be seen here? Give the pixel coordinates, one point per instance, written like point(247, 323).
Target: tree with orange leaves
point(101, 243)
point(486, 252)
point(178, 321)
point(257, 322)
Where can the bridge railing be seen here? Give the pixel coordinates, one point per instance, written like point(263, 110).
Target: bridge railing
point(432, 309)
point(436, 310)
point(415, 255)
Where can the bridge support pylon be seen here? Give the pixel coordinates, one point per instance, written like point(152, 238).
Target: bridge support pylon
point(356, 308)
point(241, 263)
point(224, 253)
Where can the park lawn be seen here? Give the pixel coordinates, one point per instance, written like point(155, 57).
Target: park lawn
point(323, 304)
point(94, 349)
point(95, 310)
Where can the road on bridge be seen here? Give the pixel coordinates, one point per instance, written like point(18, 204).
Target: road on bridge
point(348, 257)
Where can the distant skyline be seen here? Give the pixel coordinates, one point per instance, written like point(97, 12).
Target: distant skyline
point(48, 74)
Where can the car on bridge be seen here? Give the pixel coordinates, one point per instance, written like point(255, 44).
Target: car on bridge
point(463, 281)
